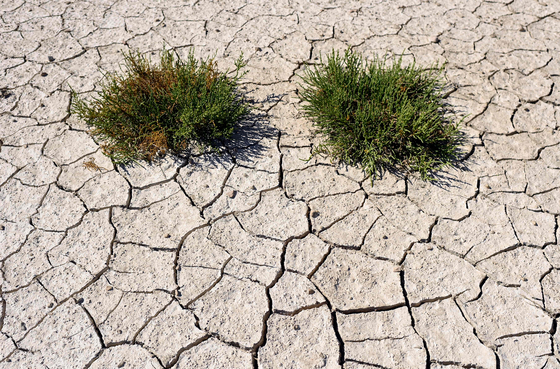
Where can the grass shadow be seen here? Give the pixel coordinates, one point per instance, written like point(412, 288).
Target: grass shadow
point(246, 142)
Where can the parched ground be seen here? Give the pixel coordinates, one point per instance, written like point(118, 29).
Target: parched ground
point(257, 258)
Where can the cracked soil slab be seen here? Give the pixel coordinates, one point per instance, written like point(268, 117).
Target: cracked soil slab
point(262, 255)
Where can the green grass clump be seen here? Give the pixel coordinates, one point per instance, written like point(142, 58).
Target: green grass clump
point(149, 110)
point(380, 116)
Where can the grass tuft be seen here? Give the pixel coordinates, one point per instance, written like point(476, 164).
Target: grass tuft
point(150, 110)
point(380, 116)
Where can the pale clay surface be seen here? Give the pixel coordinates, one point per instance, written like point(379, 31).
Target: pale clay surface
point(262, 257)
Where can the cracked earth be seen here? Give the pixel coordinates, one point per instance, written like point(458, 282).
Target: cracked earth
point(257, 258)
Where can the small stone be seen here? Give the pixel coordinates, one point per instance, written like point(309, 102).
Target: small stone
point(51, 59)
point(231, 194)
